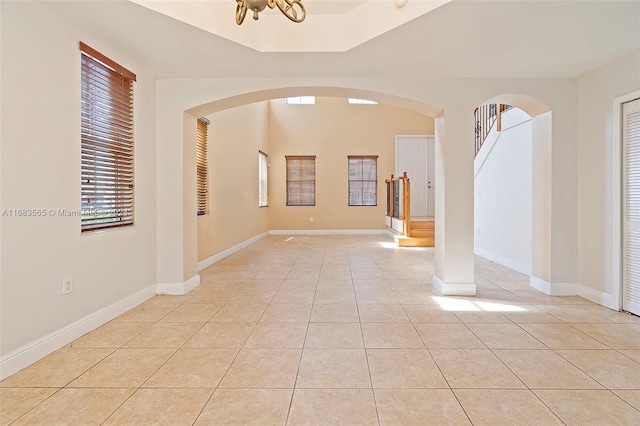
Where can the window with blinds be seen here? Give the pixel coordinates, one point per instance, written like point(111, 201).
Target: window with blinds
point(202, 166)
point(107, 190)
point(363, 180)
point(301, 180)
point(263, 176)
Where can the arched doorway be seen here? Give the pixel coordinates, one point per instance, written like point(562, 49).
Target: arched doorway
point(549, 251)
point(183, 231)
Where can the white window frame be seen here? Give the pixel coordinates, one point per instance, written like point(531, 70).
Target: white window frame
point(301, 100)
point(358, 101)
point(263, 179)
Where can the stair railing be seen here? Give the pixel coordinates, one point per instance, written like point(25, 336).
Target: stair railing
point(399, 200)
point(485, 117)
point(390, 197)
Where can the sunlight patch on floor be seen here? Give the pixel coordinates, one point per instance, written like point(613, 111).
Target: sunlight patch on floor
point(463, 305)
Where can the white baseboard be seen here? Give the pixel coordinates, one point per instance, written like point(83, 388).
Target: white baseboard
point(397, 224)
point(553, 289)
point(598, 297)
point(327, 231)
point(228, 252)
point(454, 289)
point(178, 289)
point(523, 268)
point(22, 357)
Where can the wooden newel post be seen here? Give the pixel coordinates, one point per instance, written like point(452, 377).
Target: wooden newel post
point(391, 201)
point(407, 205)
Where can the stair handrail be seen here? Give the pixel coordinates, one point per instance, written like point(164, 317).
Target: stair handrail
point(406, 200)
point(485, 117)
point(406, 204)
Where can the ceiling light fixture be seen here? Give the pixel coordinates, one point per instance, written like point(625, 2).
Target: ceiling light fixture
point(292, 9)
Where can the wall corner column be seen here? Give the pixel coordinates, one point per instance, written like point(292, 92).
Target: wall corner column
point(176, 268)
point(454, 257)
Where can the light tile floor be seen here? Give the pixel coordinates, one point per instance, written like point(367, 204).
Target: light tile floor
point(322, 330)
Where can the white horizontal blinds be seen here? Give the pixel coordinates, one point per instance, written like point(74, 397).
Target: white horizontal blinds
point(202, 166)
point(363, 180)
point(263, 176)
point(301, 180)
point(631, 147)
point(107, 162)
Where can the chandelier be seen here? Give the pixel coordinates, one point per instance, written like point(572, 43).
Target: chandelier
point(292, 9)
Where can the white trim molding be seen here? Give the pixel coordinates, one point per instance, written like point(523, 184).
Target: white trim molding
point(22, 357)
point(523, 268)
point(598, 297)
point(553, 289)
point(231, 250)
point(454, 289)
point(614, 222)
point(327, 232)
point(178, 289)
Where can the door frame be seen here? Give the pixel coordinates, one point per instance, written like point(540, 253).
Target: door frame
point(426, 153)
point(617, 273)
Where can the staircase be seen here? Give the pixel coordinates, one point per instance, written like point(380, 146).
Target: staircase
point(407, 232)
point(421, 234)
point(486, 117)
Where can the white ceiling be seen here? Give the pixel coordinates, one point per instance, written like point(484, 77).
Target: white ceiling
point(351, 23)
point(331, 7)
point(472, 38)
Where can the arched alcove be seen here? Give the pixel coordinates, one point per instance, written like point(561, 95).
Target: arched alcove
point(190, 115)
point(546, 206)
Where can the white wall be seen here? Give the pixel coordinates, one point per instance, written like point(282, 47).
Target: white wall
point(454, 171)
point(106, 267)
point(41, 170)
point(503, 194)
point(596, 171)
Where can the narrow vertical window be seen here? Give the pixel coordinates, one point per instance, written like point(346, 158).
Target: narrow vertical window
point(301, 180)
point(202, 166)
point(106, 133)
point(363, 180)
point(263, 176)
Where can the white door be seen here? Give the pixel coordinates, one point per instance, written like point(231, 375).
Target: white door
point(631, 207)
point(431, 174)
point(411, 157)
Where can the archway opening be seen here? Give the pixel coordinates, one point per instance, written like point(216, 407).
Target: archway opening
point(512, 191)
point(243, 125)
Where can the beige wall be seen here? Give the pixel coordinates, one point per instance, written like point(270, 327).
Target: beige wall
point(41, 170)
point(596, 170)
point(331, 130)
point(234, 138)
point(108, 267)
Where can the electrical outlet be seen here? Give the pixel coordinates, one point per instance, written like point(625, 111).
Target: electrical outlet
point(67, 285)
point(311, 219)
